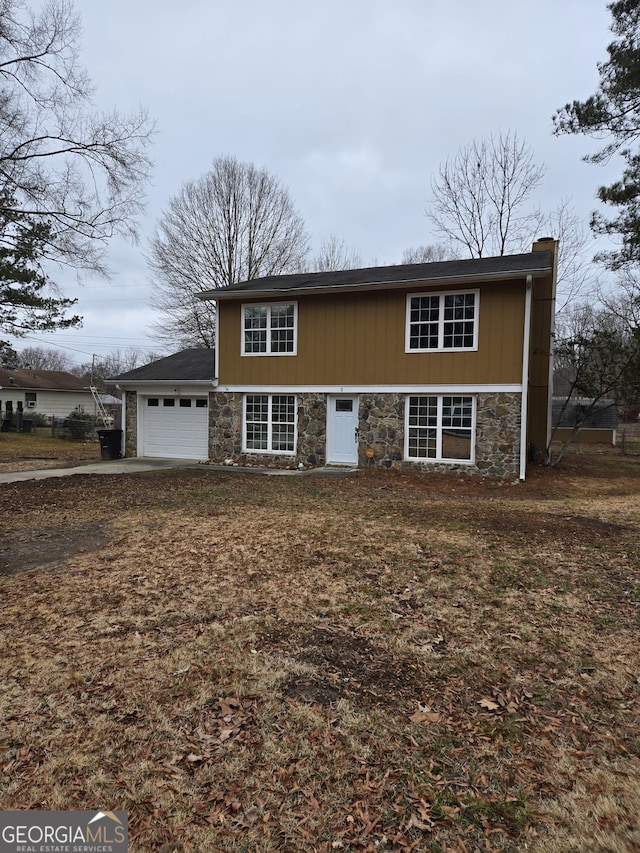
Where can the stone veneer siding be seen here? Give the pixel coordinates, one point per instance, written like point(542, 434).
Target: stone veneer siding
point(131, 424)
point(497, 449)
point(225, 432)
point(381, 429)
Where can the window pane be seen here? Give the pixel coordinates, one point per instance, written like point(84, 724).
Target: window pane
point(255, 317)
point(456, 444)
point(282, 340)
point(169, 402)
point(457, 415)
point(201, 403)
point(423, 319)
point(153, 401)
point(459, 317)
point(282, 324)
point(422, 439)
point(255, 341)
point(257, 408)
point(282, 316)
point(185, 404)
point(256, 436)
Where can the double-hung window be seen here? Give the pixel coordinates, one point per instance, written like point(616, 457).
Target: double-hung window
point(269, 329)
point(440, 428)
point(270, 423)
point(442, 321)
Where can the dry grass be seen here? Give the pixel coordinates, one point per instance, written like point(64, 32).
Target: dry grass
point(384, 662)
point(21, 451)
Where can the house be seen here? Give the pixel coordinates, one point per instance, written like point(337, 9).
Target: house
point(53, 393)
point(437, 367)
point(441, 367)
point(166, 406)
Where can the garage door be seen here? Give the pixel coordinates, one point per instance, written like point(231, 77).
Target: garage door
point(176, 427)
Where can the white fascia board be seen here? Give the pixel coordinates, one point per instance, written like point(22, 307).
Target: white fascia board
point(443, 388)
point(172, 386)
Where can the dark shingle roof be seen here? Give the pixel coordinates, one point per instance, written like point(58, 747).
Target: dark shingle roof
point(567, 414)
point(539, 263)
point(42, 380)
point(189, 365)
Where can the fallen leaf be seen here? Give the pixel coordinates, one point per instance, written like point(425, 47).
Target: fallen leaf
point(425, 717)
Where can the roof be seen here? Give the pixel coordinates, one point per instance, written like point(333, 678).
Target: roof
point(397, 275)
point(567, 414)
point(189, 365)
point(41, 380)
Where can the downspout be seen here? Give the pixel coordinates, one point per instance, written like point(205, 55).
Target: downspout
point(123, 419)
point(524, 400)
point(216, 344)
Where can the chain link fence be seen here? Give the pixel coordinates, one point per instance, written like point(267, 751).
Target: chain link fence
point(627, 443)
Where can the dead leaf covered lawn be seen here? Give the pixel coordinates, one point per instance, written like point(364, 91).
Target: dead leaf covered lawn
point(383, 662)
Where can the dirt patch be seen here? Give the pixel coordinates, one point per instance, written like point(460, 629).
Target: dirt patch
point(24, 550)
point(353, 666)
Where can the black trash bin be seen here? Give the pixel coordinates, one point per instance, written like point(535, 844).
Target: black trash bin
point(27, 425)
point(110, 443)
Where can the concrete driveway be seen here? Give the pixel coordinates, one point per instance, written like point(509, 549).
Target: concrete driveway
point(136, 465)
point(114, 466)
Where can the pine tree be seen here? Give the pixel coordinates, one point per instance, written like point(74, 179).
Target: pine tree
point(613, 113)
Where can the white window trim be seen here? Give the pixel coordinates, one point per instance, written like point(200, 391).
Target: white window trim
point(441, 321)
point(445, 460)
point(268, 451)
point(269, 305)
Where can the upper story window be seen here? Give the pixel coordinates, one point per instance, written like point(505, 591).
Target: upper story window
point(269, 329)
point(442, 321)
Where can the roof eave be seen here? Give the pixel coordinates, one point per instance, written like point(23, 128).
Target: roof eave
point(165, 383)
point(536, 272)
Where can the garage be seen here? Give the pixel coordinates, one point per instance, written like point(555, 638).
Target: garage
point(166, 406)
point(175, 426)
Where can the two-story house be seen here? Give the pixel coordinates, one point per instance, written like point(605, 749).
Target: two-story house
point(443, 366)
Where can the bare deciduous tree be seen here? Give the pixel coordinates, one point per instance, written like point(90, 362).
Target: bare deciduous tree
point(81, 173)
point(428, 254)
point(482, 203)
point(623, 301)
point(101, 370)
point(44, 358)
point(480, 196)
point(577, 273)
point(235, 223)
point(597, 359)
point(335, 254)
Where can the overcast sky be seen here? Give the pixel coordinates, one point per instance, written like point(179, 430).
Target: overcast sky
point(353, 104)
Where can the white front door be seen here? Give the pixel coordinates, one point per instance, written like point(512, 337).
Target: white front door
point(342, 430)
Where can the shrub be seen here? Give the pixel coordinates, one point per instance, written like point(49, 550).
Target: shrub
point(79, 425)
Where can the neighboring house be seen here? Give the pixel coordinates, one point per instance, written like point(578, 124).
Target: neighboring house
point(54, 393)
point(438, 367)
point(443, 366)
point(166, 406)
point(599, 427)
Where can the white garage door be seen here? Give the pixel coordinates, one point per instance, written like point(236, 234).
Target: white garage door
point(176, 427)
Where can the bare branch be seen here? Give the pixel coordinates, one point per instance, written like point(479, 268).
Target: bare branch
point(233, 224)
point(81, 172)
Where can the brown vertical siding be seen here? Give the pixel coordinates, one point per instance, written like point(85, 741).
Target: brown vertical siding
point(359, 339)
